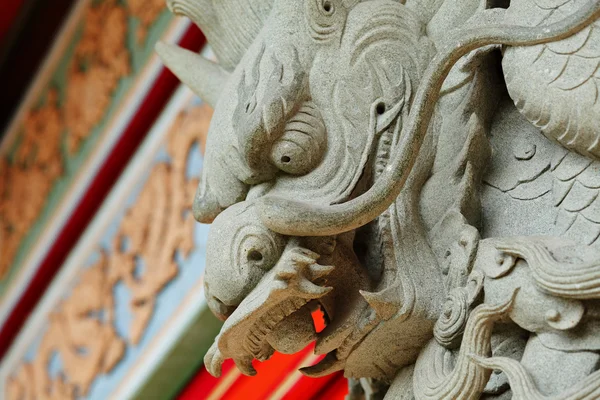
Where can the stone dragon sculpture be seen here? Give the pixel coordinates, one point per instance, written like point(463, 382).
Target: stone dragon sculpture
point(426, 173)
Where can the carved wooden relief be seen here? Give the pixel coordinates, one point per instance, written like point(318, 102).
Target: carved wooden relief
point(155, 232)
point(146, 12)
point(27, 178)
point(86, 86)
point(100, 61)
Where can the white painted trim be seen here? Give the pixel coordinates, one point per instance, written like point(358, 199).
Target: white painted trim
point(93, 234)
point(169, 335)
point(87, 173)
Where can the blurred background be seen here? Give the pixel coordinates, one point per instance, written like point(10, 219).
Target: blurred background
point(101, 262)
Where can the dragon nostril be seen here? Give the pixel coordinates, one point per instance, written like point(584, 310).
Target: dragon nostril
point(303, 144)
point(255, 255)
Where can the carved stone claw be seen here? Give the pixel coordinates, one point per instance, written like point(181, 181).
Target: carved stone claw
point(299, 270)
point(318, 271)
point(245, 366)
point(213, 360)
point(302, 258)
point(326, 366)
point(295, 261)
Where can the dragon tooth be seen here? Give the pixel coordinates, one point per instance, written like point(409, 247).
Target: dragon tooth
point(269, 321)
point(277, 312)
point(326, 366)
point(213, 360)
point(288, 307)
point(264, 352)
point(318, 270)
point(262, 329)
point(298, 302)
point(310, 288)
point(252, 338)
point(245, 366)
point(250, 348)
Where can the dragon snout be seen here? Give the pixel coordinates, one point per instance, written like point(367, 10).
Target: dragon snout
point(216, 305)
point(218, 308)
point(206, 208)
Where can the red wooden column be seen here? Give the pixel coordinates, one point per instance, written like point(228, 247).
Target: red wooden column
point(276, 379)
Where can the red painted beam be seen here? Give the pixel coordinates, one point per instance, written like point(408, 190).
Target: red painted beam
point(337, 390)
point(151, 107)
point(204, 383)
point(232, 385)
point(9, 10)
point(308, 388)
point(271, 374)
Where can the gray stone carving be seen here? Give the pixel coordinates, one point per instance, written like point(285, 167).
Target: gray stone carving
point(425, 172)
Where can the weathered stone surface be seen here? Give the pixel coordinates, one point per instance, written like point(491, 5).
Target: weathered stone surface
point(426, 173)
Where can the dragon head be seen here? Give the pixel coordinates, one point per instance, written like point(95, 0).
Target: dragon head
point(300, 102)
point(266, 285)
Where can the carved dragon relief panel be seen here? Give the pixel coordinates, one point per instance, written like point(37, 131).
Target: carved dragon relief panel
point(424, 172)
point(154, 235)
point(57, 133)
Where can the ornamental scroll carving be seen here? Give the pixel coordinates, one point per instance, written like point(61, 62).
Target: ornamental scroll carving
point(427, 173)
point(76, 103)
point(155, 232)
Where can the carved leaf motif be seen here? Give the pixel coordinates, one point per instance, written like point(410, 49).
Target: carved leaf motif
point(28, 178)
point(147, 12)
point(555, 85)
point(80, 334)
point(100, 61)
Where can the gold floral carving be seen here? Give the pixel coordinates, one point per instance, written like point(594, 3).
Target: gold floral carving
point(146, 11)
point(81, 330)
point(28, 178)
point(99, 62)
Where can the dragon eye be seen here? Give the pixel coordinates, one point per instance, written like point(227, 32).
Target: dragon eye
point(259, 250)
point(328, 7)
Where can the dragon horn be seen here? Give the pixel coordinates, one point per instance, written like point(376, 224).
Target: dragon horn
point(204, 77)
point(230, 26)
